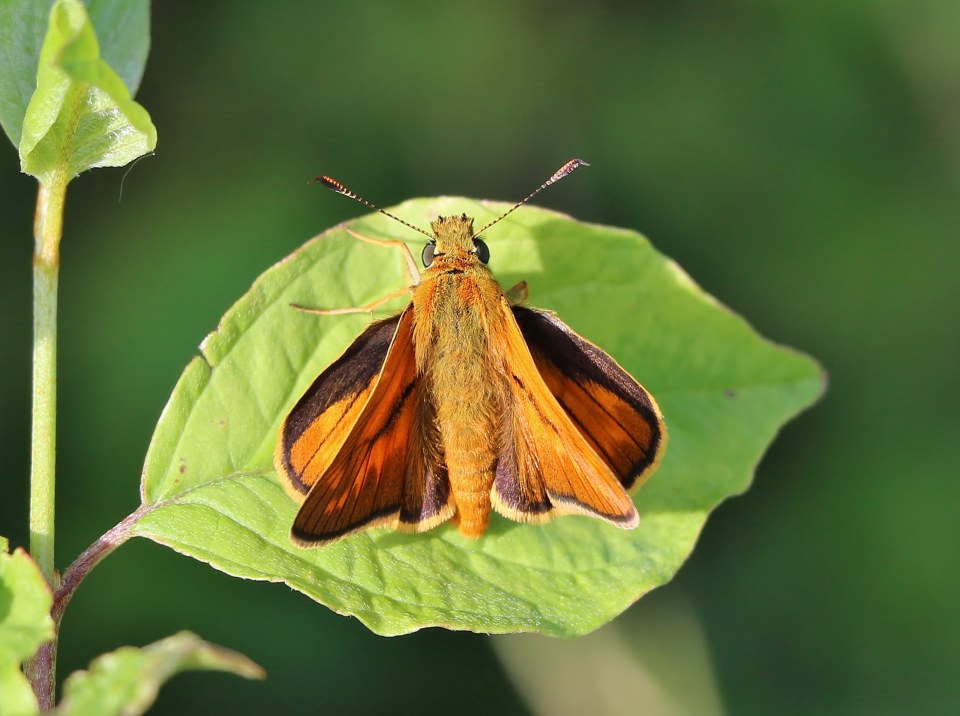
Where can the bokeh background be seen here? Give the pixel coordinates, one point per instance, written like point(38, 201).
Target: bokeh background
point(801, 160)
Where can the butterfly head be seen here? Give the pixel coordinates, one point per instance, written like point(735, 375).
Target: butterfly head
point(454, 240)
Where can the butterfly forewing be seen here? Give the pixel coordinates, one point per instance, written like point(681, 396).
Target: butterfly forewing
point(547, 466)
point(320, 422)
point(616, 415)
point(379, 475)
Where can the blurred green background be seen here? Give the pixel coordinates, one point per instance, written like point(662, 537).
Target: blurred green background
point(800, 160)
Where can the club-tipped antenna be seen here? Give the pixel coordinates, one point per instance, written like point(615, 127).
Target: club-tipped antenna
point(567, 168)
point(336, 186)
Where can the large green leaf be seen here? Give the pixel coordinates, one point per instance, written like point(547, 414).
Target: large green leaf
point(25, 624)
point(126, 681)
point(123, 27)
point(209, 489)
point(81, 115)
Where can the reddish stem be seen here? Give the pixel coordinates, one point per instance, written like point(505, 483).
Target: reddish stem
point(41, 670)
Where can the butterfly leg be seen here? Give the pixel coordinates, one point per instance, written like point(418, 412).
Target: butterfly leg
point(410, 264)
point(366, 308)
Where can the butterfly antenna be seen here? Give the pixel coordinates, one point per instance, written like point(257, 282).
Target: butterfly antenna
point(567, 168)
point(341, 189)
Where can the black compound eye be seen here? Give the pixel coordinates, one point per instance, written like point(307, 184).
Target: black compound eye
point(427, 255)
point(483, 251)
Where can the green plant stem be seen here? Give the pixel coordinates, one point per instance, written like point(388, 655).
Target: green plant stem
point(47, 230)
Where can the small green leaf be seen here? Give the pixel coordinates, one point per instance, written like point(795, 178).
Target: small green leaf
point(209, 488)
point(25, 624)
point(123, 27)
point(126, 681)
point(81, 114)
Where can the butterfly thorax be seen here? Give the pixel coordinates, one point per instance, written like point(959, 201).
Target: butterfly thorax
point(457, 313)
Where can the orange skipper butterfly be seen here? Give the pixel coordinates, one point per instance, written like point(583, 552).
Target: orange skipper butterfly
point(464, 403)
